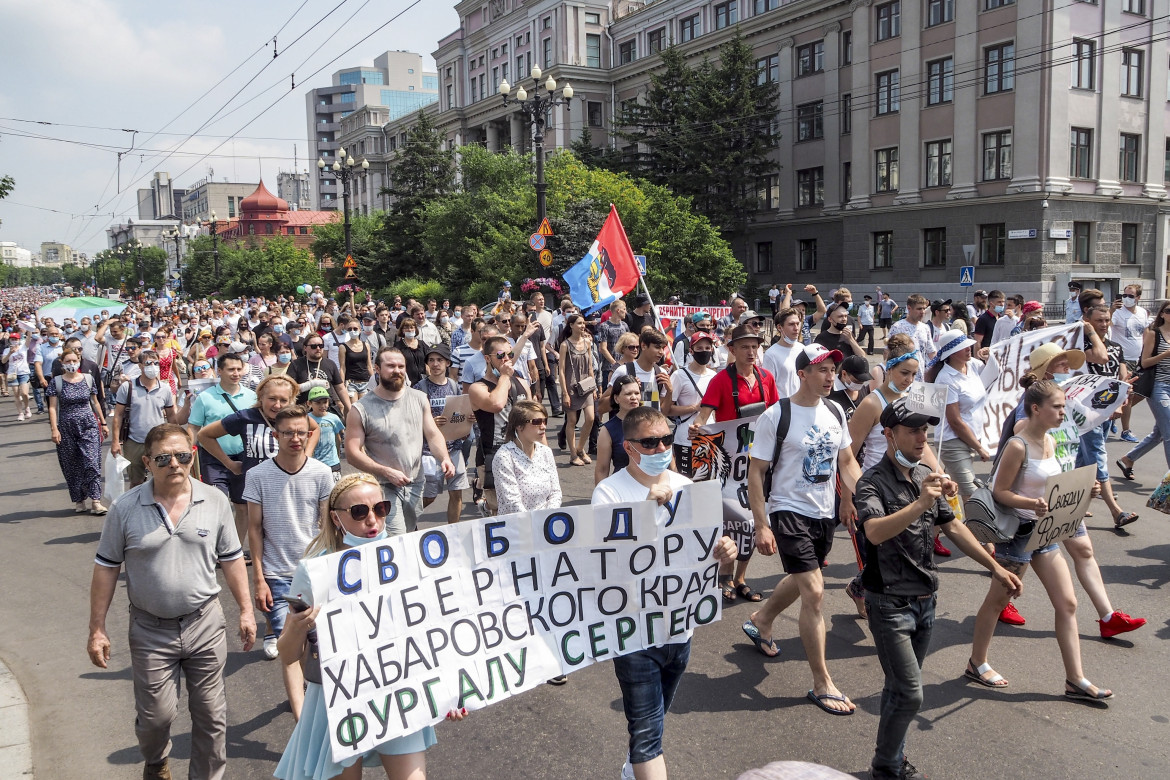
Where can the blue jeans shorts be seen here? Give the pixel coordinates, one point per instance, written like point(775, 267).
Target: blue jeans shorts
point(280, 588)
point(1016, 550)
point(649, 679)
point(1092, 450)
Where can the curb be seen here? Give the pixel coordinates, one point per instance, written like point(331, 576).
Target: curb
point(15, 741)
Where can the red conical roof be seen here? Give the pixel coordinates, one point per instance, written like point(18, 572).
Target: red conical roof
point(263, 201)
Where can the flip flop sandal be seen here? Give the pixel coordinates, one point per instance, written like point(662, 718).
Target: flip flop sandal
point(1126, 471)
point(747, 594)
point(1124, 519)
point(820, 702)
point(1080, 690)
point(753, 634)
point(977, 676)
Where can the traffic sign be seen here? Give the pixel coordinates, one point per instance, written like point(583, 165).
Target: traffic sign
point(546, 257)
point(545, 228)
point(537, 241)
point(641, 261)
point(141, 283)
point(967, 276)
point(349, 262)
point(350, 274)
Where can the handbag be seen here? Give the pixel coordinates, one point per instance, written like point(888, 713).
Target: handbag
point(988, 522)
point(1143, 385)
point(585, 386)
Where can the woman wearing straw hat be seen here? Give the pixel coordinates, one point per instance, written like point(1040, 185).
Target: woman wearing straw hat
point(959, 433)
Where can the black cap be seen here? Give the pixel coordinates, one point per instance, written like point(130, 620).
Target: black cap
point(640, 300)
point(854, 365)
point(441, 350)
point(897, 414)
point(368, 317)
point(938, 303)
point(1075, 285)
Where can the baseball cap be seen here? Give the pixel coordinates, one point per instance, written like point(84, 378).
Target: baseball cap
point(440, 350)
point(815, 353)
point(939, 303)
point(980, 293)
point(699, 316)
point(855, 365)
point(317, 393)
point(1031, 306)
point(699, 335)
point(896, 413)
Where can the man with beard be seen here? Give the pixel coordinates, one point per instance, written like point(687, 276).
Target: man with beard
point(384, 434)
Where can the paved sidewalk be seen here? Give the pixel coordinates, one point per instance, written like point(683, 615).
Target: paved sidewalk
point(15, 744)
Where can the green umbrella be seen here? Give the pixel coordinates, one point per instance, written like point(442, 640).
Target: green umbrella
point(76, 308)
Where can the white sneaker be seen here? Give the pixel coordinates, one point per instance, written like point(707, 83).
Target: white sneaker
point(80, 507)
point(270, 651)
point(20, 417)
point(627, 770)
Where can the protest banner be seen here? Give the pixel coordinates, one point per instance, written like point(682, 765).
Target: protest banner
point(674, 312)
point(197, 386)
point(1006, 364)
point(722, 452)
point(459, 416)
point(470, 614)
point(1068, 495)
point(1090, 400)
point(927, 398)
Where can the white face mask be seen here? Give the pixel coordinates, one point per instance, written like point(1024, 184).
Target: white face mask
point(1128, 301)
point(150, 372)
point(71, 368)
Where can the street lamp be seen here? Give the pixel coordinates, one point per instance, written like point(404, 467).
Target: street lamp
point(536, 108)
point(215, 244)
point(176, 235)
point(345, 169)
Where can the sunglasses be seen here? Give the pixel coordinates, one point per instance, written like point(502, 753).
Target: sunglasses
point(538, 421)
point(652, 442)
point(203, 367)
point(131, 347)
point(632, 346)
point(351, 330)
point(502, 355)
point(314, 346)
point(164, 459)
point(360, 512)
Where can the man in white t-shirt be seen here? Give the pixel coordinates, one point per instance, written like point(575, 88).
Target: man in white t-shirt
point(1129, 323)
point(650, 678)
point(1013, 310)
point(914, 326)
point(780, 358)
point(690, 384)
point(655, 380)
point(774, 298)
point(797, 517)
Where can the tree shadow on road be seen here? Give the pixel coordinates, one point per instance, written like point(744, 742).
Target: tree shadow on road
point(89, 538)
point(37, 514)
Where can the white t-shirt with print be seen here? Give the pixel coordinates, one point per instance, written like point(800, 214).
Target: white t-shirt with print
point(648, 380)
point(685, 394)
point(780, 360)
point(1128, 326)
point(805, 479)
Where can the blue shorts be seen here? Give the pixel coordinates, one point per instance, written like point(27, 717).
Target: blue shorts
point(280, 587)
point(1092, 450)
point(16, 380)
point(1016, 550)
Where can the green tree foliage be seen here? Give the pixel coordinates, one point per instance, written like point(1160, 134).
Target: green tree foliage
point(595, 156)
point(706, 132)
point(365, 233)
point(6, 186)
point(199, 279)
point(131, 263)
point(423, 172)
point(275, 267)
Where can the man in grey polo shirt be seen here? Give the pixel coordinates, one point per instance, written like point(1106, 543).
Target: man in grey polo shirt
point(151, 404)
point(170, 533)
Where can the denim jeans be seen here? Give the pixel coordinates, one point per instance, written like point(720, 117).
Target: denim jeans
point(39, 397)
point(1092, 450)
point(406, 505)
point(649, 679)
point(901, 630)
point(1160, 407)
point(279, 586)
point(1153, 439)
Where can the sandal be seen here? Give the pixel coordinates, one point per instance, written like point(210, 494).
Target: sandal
point(576, 461)
point(753, 633)
point(854, 591)
point(728, 590)
point(1124, 519)
point(747, 594)
point(819, 700)
point(1080, 690)
point(1126, 471)
point(585, 457)
point(976, 675)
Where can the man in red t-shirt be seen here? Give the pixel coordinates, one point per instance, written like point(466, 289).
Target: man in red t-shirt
point(756, 391)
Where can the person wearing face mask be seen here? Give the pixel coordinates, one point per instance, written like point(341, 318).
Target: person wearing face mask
point(140, 405)
point(689, 386)
point(985, 324)
point(837, 336)
point(87, 367)
point(649, 678)
point(780, 358)
point(899, 505)
point(284, 357)
point(1129, 322)
point(45, 354)
point(1072, 304)
point(74, 413)
point(413, 349)
point(91, 348)
point(492, 398)
point(16, 351)
point(356, 362)
point(278, 330)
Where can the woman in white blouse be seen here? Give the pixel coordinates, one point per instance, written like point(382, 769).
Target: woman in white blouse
point(524, 467)
point(962, 427)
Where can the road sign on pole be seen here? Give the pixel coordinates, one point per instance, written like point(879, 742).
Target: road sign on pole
point(350, 273)
point(641, 261)
point(545, 228)
point(968, 253)
point(546, 257)
point(537, 241)
point(967, 276)
point(349, 262)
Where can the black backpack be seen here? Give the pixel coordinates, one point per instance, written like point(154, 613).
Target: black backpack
point(782, 434)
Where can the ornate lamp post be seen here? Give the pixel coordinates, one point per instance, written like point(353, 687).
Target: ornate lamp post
point(535, 108)
point(176, 235)
point(345, 169)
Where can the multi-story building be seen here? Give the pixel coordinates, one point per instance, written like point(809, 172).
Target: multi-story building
point(396, 82)
point(15, 255)
point(56, 254)
point(162, 199)
point(915, 136)
point(263, 216)
point(294, 187)
point(206, 196)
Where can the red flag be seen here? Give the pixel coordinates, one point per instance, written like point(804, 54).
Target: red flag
point(608, 271)
point(614, 241)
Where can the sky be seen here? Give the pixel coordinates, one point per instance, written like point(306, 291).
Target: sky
point(96, 68)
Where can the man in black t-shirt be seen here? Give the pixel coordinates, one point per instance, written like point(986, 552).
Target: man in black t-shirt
point(313, 369)
point(985, 324)
point(641, 315)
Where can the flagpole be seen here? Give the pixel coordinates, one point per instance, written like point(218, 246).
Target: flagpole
point(653, 308)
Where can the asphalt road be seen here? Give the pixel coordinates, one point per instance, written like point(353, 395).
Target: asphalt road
point(735, 709)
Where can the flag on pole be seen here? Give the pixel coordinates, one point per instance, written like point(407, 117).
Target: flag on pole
point(608, 271)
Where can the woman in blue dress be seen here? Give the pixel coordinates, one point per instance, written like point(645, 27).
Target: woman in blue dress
point(357, 515)
point(77, 426)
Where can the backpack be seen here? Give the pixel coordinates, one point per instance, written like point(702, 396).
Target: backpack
point(59, 382)
point(782, 434)
point(686, 344)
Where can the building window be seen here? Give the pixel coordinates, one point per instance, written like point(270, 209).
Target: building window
point(934, 247)
point(450, 96)
point(768, 191)
point(997, 155)
point(846, 47)
point(726, 14)
point(1130, 151)
point(627, 52)
point(592, 18)
point(1082, 246)
point(1080, 153)
point(304, 230)
point(547, 44)
point(810, 187)
point(1166, 163)
point(808, 254)
point(939, 12)
point(992, 244)
point(809, 123)
point(474, 91)
point(938, 163)
point(656, 40)
point(1134, 6)
point(593, 50)
point(688, 29)
point(1129, 243)
point(883, 249)
point(347, 97)
point(231, 206)
point(768, 69)
point(1084, 53)
point(846, 114)
point(764, 257)
point(496, 76)
point(886, 169)
point(888, 96)
point(810, 58)
point(999, 64)
point(998, 3)
point(940, 76)
point(1131, 72)
point(594, 112)
point(846, 182)
point(889, 20)
point(766, 5)
point(546, 23)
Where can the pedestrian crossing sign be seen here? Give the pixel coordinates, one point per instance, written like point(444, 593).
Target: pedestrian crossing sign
point(966, 276)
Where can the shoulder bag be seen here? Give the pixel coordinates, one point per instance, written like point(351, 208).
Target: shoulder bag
point(989, 522)
point(1144, 384)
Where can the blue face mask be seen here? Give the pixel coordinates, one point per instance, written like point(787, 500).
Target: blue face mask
point(999, 309)
point(284, 357)
point(655, 464)
point(894, 388)
point(903, 461)
point(1060, 379)
point(54, 339)
point(278, 329)
point(357, 541)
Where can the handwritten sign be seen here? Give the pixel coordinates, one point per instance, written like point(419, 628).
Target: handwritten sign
point(459, 417)
point(470, 614)
point(723, 452)
point(1068, 495)
point(1090, 399)
point(927, 398)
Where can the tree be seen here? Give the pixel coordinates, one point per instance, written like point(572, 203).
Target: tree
point(131, 263)
point(199, 279)
point(6, 186)
point(366, 241)
point(423, 172)
point(595, 156)
point(275, 267)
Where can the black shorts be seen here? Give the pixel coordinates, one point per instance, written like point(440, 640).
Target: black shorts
point(886, 322)
point(803, 542)
point(216, 475)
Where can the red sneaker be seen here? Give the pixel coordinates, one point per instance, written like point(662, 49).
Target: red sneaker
point(1119, 623)
point(1013, 618)
point(940, 548)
